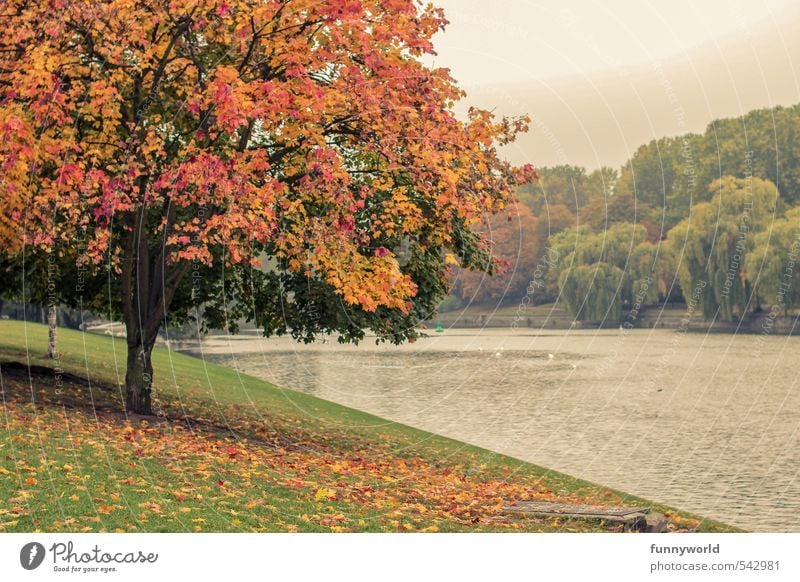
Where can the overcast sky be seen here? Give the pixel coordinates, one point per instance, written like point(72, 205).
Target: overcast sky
point(500, 40)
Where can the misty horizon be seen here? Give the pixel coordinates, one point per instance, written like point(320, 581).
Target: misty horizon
point(599, 117)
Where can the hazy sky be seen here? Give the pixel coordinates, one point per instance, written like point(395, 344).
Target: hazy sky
point(500, 40)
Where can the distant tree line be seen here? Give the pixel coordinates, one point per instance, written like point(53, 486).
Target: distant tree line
point(717, 214)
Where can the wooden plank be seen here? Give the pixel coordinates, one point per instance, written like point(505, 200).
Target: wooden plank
point(546, 508)
point(631, 518)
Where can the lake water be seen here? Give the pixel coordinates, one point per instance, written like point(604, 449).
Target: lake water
point(707, 423)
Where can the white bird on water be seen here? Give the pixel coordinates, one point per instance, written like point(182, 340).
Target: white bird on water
point(550, 356)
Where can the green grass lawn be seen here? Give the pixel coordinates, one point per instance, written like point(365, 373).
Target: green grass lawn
point(229, 452)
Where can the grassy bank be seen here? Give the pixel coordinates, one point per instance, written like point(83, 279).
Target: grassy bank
point(230, 452)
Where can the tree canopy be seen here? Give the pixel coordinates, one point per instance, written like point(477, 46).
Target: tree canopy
point(291, 162)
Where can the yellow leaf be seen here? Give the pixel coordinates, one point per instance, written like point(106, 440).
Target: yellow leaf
point(324, 493)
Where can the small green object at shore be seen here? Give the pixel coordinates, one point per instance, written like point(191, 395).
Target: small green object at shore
point(439, 327)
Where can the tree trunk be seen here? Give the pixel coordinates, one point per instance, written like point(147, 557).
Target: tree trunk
point(52, 324)
point(148, 284)
point(144, 309)
point(139, 378)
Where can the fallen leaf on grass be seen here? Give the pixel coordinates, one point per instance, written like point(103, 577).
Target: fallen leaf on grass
point(325, 494)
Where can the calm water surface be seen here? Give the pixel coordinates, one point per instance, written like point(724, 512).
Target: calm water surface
point(707, 423)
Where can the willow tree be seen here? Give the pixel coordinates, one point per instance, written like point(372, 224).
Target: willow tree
point(711, 247)
point(600, 273)
point(647, 273)
point(773, 266)
point(560, 256)
point(179, 144)
point(591, 292)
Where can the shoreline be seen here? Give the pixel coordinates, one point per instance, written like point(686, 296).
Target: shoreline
point(672, 317)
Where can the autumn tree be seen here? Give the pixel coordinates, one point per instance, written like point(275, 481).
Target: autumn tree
point(513, 242)
point(553, 219)
point(15, 154)
point(292, 162)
